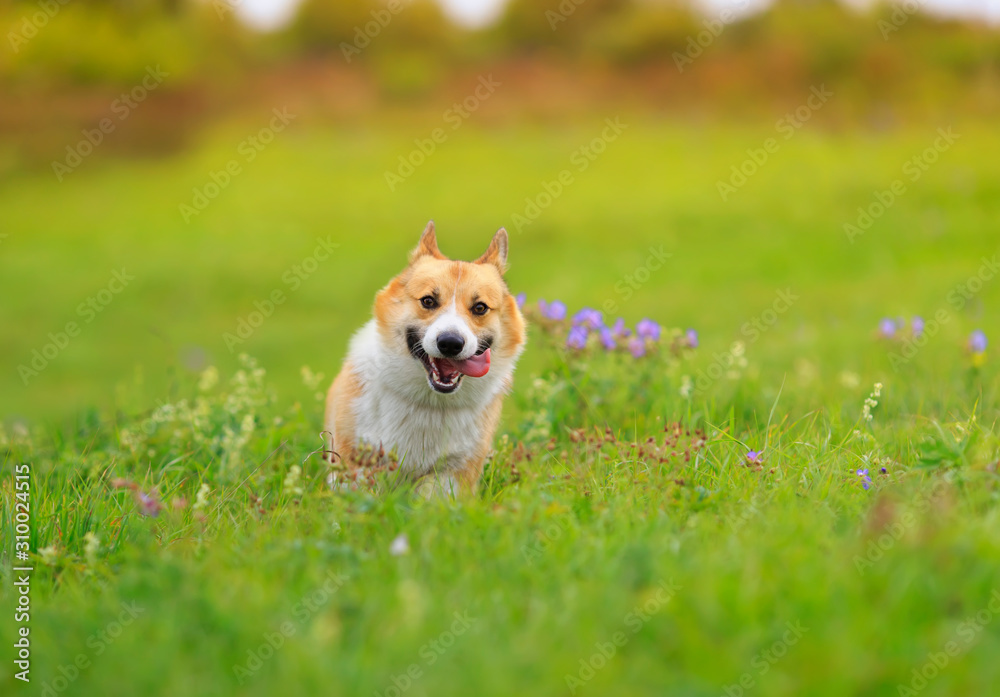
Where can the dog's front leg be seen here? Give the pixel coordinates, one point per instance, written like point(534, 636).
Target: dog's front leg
point(463, 478)
point(438, 485)
point(453, 482)
point(338, 435)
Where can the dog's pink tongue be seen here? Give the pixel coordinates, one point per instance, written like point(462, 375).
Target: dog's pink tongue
point(475, 367)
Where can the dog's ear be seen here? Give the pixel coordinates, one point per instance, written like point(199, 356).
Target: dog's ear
point(427, 246)
point(496, 253)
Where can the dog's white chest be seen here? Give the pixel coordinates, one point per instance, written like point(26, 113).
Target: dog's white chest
point(398, 411)
point(424, 438)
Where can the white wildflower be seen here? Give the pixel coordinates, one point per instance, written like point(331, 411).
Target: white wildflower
point(131, 440)
point(49, 555)
point(687, 386)
point(806, 371)
point(201, 500)
point(291, 483)
point(399, 546)
point(736, 360)
point(871, 402)
point(92, 545)
point(849, 380)
point(209, 378)
point(312, 381)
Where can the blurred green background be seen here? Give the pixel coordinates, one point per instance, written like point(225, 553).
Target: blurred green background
point(364, 84)
point(167, 170)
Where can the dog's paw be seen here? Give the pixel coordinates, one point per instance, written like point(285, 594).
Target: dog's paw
point(438, 486)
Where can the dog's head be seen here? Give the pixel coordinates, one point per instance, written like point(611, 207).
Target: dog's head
point(454, 318)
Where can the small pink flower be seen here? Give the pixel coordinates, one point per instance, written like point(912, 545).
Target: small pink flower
point(148, 504)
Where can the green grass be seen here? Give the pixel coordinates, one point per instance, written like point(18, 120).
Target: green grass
point(585, 532)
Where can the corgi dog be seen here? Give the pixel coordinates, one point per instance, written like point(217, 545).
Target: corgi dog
point(425, 378)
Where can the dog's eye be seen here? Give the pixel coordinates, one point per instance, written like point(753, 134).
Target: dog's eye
point(480, 309)
point(428, 302)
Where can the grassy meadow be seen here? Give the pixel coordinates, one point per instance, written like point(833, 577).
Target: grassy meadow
point(184, 538)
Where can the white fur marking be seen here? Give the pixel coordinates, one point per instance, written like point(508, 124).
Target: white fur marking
point(451, 321)
point(430, 432)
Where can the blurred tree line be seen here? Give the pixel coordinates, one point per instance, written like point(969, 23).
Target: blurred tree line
point(409, 45)
point(55, 42)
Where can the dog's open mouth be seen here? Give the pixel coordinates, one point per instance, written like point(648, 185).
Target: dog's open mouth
point(445, 374)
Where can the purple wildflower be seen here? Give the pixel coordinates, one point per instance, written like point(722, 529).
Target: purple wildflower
point(589, 318)
point(755, 457)
point(691, 337)
point(887, 328)
point(608, 339)
point(977, 341)
point(866, 481)
point(148, 505)
point(917, 325)
point(577, 338)
point(554, 310)
point(648, 329)
point(620, 329)
point(637, 347)
point(520, 299)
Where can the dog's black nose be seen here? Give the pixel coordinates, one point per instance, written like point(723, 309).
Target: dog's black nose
point(450, 344)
